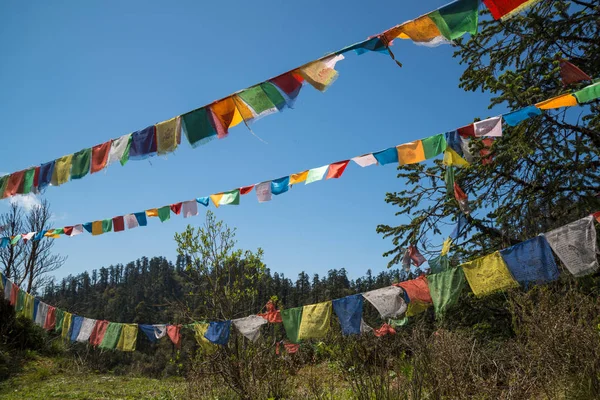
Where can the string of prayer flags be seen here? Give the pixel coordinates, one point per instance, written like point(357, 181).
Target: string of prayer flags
point(218, 332)
point(488, 274)
point(349, 311)
point(230, 198)
point(531, 261)
point(575, 246)
point(570, 73)
point(58, 323)
point(197, 127)
point(250, 326)
point(504, 9)
point(164, 213)
point(128, 337)
point(190, 208)
point(223, 115)
point(385, 329)
point(445, 288)
point(416, 307)
point(291, 318)
point(66, 325)
point(388, 301)
point(315, 321)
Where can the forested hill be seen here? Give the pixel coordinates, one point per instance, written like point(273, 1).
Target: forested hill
point(156, 290)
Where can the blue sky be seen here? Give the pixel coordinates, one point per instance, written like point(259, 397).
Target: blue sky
point(76, 74)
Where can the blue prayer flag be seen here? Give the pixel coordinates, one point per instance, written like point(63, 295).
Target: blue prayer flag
point(75, 327)
point(45, 174)
point(454, 141)
point(280, 185)
point(143, 143)
point(218, 332)
point(36, 303)
point(531, 261)
point(88, 227)
point(203, 200)
point(515, 117)
point(349, 311)
point(141, 218)
point(460, 227)
point(387, 156)
point(149, 331)
point(4, 242)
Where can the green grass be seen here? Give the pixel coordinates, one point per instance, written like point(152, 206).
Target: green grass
point(45, 379)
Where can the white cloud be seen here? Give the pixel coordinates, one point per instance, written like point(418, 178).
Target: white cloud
point(27, 201)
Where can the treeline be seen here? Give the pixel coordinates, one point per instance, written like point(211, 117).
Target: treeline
point(156, 291)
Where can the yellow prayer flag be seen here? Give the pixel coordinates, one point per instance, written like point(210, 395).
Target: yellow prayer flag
point(62, 170)
point(66, 325)
point(446, 246)
point(128, 337)
point(97, 228)
point(321, 73)
point(565, 100)
point(216, 199)
point(245, 113)
point(416, 307)
point(200, 329)
point(51, 234)
point(451, 157)
point(422, 29)
point(237, 118)
point(299, 177)
point(411, 153)
point(488, 274)
point(153, 212)
point(168, 135)
point(315, 320)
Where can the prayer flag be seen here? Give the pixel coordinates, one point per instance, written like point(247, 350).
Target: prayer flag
point(200, 329)
point(100, 156)
point(273, 315)
point(385, 329)
point(274, 95)
point(88, 227)
point(107, 225)
point(41, 314)
point(128, 337)
point(119, 149)
point(316, 174)
point(422, 30)
point(315, 321)
point(60, 318)
point(85, 332)
point(445, 288)
point(575, 246)
point(246, 189)
point(62, 170)
point(299, 177)
point(434, 145)
point(291, 318)
point(203, 200)
point(168, 135)
point(216, 199)
point(15, 239)
point(232, 198)
point(337, 169)
point(66, 325)
point(153, 212)
point(118, 223)
point(531, 261)
point(176, 208)
point(417, 289)
point(131, 221)
point(349, 311)
point(488, 127)
point(588, 93)
point(289, 85)
point(97, 228)
point(457, 18)
point(569, 73)
point(4, 242)
point(263, 192)
point(223, 115)
point(197, 127)
point(257, 102)
point(387, 156)
point(50, 322)
point(14, 295)
point(411, 153)
point(97, 335)
point(153, 332)
point(462, 199)
point(28, 179)
point(164, 213)
point(143, 143)
point(14, 182)
point(111, 335)
point(45, 175)
point(80, 164)
point(3, 182)
point(416, 307)
point(451, 158)
point(388, 301)
point(29, 305)
point(516, 117)
point(321, 73)
point(507, 8)
point(280, 185)
point(218, 332)
point(190, 208)
point(564, 100)
point(173, 331)
point(141, 218)
point(488, 274)
point(365, 160)
point(250, 326)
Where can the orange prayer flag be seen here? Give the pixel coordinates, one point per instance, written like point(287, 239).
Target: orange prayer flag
point(422, 29)
point(299, 177)
point(153, 212)
point(337, 169)
point(100, 156)
point(565, 100)
point(411, 153)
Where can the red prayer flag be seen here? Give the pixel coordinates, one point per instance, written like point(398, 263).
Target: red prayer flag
point(98, 332)
point(337, 169)
point(288, 82)
point(246, 189)
point(176, 208)
point(50, 321)
point(14, 293)
point(487, 144)
point(415, 255)
point(596, 215)
point(385, 329)
point(36, 177)
point(467, 131)
point(273, 315)
point(100, 156)
point(570, 73)
point(173, 331)
point(13, 184)
point(118, 224)
point(68, 230)
point(417, 289)
point(500, 8)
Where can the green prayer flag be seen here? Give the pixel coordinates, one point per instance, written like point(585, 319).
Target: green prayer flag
point(257, 99)
point(15, 240)
point(111, 336)
point(438, 264)
point(60, 315)
point(232, 197)
point(396, 323)
point(28, 180)
point(59, 231)
point(445, 288)
point(449, 178)
point(125, 156)
point(434, 145)
point(197, 127)
point(457, 18)
point(20, 301)
point(107, 225)
point(291, 318)
point(3, 180)
point(273, 94)
point(588, 93)
point(80, 165)
point(164, 213)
